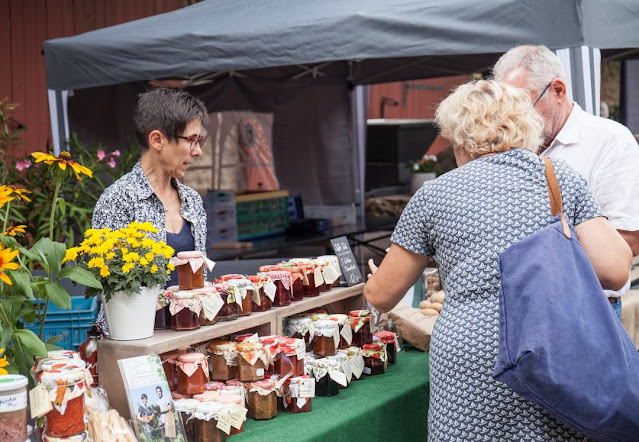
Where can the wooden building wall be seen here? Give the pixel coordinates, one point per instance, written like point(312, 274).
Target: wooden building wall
point(26, 24)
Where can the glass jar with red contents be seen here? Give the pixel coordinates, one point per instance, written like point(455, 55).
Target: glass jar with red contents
point(283, 284)
point(242, 290)
point(190, 267)
point(297, 276)
point(211, 304)
point(389, 339)
point(259, 282)
point(298, 392)
point(205, 419)
point(291, 357)
point(185, 310)
point(333, 271)
point(68, 386)
point(320, 268)
point(314, 279)
point(169, 364)
point(374, 359)
point(362, 328)
point(326, 338)
point(300, 327)
point(271, 349)
point(262, 400)
point(193, 373)
point(228, 311)
point(345, 330)
point(251, 362)
point(223, 360)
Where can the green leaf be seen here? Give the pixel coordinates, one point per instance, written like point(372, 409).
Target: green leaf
point(51, 253)
point(53, 340)
point(5, 336)
point(58, 295)
point(80, 276)
point(30, 341)
point(63, 205)
point(21, 279)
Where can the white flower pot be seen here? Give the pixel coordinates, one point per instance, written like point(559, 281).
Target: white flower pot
point(132, 317)
point(417, 179)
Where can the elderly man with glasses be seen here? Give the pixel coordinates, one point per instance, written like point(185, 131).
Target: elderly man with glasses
point(603, 151)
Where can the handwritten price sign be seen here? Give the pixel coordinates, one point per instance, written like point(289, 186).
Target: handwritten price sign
point(347, 261)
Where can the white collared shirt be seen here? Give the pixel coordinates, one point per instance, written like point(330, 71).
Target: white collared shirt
point(606, 154)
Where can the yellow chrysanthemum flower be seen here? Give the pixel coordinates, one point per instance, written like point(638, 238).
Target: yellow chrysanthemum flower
point(6, 256)
point(104, 272)
point(154, 268)
point(96, 262)
point(110, 255)
point(144, 262)
point(63, 161)
point(126, 268)
point(149, 256)
point(13, 231)
point(71, 254)
point(3, 363)
point(170, 266)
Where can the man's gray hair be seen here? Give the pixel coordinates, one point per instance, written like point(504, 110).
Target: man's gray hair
point(540, 62)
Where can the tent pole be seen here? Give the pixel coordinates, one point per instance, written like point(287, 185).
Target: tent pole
point(59, 119)
point(359, 101)
point(582, 66)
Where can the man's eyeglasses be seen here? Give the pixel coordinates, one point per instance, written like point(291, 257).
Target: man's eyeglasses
point(193, 139)
point(542, 94)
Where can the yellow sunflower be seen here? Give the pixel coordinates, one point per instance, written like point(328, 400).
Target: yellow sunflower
point(6, 256)
point(13, 231)
point(62, 161)
point(3, 363)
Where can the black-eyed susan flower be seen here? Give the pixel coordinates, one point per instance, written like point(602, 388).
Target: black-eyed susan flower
point(19, 194)
point(15, 230)
point(6, 256)
point(5, 195)
point(62, 162)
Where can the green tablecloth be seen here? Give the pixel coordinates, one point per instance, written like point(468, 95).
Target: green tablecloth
point(392, 406)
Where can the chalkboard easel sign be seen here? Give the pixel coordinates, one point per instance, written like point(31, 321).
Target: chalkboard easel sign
point(347, 261)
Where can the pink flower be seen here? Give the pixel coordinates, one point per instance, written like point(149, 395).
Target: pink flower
point(101, 155)
point(116, 153)
point(21, 165)
point(112, 163)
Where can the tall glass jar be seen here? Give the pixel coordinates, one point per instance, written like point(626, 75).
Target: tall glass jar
point(301, 327)
point(211, 304)
point(374, 359)
point(389, 339)
point(283, 284)
point(242, 289)
point(228, 312)
point(259, 282)
point(262, 400)
point(345, 331)
point(331, 276)
point(232, 399)
point(321, 369)
point(193, 373)
point(169, 364)
point(13, 408)
point(223, 360)
point(190, 274)
point(326, 338)
point(297, 277)
point(361, 326)
point(314, 280)
point(70, 385)
point(251, 362)
point(297, 397)
point(185, 310)
point(291, 357)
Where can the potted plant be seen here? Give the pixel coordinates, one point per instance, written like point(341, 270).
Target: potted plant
point(131, 268)
point(422, 171)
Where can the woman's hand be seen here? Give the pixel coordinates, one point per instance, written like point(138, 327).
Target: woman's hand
point(373, 267)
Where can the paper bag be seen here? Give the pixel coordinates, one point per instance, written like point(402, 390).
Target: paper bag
point(413, 326)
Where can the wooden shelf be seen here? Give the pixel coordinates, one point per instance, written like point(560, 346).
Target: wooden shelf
point(339, 299)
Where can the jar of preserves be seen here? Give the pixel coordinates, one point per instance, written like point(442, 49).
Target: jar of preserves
point(13, 408)
point(186, 407)
point(344, 366)
point(169, 364)
point(185, 310)
point(211, 304)
point(333, 271)
point(233, 388)
point(345, 330)
point(190, 267)
point(326, 371)
point(291, 357)
point(271, 349)
point(66, 386)
point(326, 338)
point(232, 403)
point(314, 280)
point(300, 327)
point(361, 326)
point(265, 302)
point(320, 268)
point(205, 420)
point(297, 278)
point(53, 357)
point(252, 362)
point(283, 284)
point(356, 361)
point(243, 291)
point(162, 318)
point(389, 339)
point(374, 359)
point(228, 311)
point(262, 400)
point(193, 373)
point(298, 392)
point(223, 360)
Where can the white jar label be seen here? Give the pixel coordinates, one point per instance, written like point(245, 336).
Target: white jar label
point(259, 372)
point(13, 402)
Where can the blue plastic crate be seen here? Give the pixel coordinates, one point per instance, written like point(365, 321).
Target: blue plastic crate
point(72, 325)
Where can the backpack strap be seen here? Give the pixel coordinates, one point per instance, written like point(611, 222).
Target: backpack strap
point(554, 194)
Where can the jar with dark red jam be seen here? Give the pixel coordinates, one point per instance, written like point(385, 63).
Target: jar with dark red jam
point(169, 364)
point(262, 400)
point(193, 373)
point(259, 282)
point(324, 384)
point(296, 398)
point(187, 278)
point(345, 331)
point(300, 327)
point(314, 280)
point(162, 318)
point(283, 285)
point(223, 360)
point(389, 339)
point(188, 318)
point(228, 312)
point(298, 280)
point(361, 326)
point(242, 289)
point(251, 366)
point(291, 357)
point(374, 359)
point(326, 338)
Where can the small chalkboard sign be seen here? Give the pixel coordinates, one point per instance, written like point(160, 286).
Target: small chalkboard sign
point(347, 261)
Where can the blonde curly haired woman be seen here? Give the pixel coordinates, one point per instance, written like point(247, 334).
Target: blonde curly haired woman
point(465, 219)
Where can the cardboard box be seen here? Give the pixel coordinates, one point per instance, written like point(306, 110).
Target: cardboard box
point(413, 326)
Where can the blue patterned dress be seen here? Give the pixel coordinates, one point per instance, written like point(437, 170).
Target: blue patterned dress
point(465, 219)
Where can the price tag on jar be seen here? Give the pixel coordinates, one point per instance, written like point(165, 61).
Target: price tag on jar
point(255, 295)
point(270, 289)
point(211, 304)
point(39, 399)
point(319, 279)
point(338, 377)
point(224, 421)
point(300, 350)
point(330, 275)
point(347, 333)
point(357, 363)
point(307, 388)
point(237, 416)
